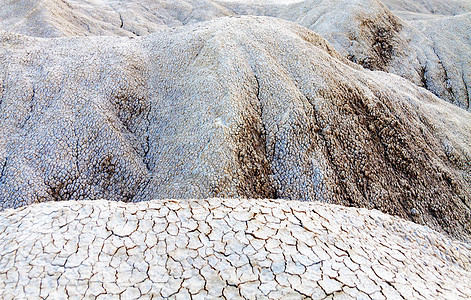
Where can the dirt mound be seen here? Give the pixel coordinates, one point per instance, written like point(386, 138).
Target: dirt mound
point(237, 107)
point(433, 52)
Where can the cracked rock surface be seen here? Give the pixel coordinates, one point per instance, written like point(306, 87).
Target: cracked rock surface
point(250, 107)
point(232, 248)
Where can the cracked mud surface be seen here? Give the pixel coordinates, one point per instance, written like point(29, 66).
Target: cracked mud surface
point(250, 107)
point(228, 248)
point(424, 42)
point(246, 107)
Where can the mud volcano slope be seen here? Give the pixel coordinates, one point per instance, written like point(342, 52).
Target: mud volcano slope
point(426, 43)
point(236, 107)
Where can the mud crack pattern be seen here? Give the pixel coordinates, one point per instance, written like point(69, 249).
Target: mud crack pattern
point(227, 248)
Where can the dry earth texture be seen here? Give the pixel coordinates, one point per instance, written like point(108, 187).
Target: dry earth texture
point(173, 101)
point(429, 46)
point(427, 42)
point(231, 248)
point(250, 107)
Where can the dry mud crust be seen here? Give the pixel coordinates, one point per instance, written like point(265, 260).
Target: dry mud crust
point(232, 248)
point(250, 107)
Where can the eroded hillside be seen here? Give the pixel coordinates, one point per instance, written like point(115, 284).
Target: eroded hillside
point(233, 111)
point(235, 107)
point(426, 42)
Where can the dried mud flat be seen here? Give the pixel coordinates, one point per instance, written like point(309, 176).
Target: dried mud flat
point(239, 117)
point(229, 248)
